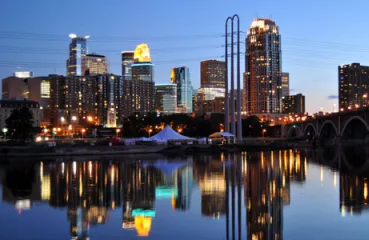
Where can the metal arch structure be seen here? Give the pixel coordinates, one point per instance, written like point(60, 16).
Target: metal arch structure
point(238, 72)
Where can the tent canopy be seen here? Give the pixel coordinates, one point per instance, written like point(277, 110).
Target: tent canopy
point(221, 134)
point(168, 134)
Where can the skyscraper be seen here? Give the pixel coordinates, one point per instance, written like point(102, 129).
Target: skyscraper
point(353, 86)
point(139, 93)
point(181, 77)
point(127, 61)
point(294, 104)
point(93, 64)
point(213, 77)
point(77, 49)
point(285, 84)
point(262, 79)
point(166, 98)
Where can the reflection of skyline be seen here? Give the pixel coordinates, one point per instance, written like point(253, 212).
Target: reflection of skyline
point(91, 190)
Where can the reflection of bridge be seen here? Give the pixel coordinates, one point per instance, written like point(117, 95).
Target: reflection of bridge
point(343, 125)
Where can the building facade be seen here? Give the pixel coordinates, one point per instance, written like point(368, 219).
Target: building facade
point(213, 79)
point(139, 93)
point(353, 81)
point(7, 107)
point(93, 64)
point(294, 104)
point(262, 78)
point(77, 49)
point(127, 61)
point(181, 77)
point(285, 84)
point(166, 98)
point(57, 99)
point(13, 88)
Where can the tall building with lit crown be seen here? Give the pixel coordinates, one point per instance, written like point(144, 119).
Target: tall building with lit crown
point(262, 79)
point(213, 78)
point(166, 98)
point(285, 84)
point(93, 64)
point(127, 61)
point(139, 93)
point(77, 49)
point(353, 86)
point(181, 77)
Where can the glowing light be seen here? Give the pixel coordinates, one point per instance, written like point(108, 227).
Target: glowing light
point(72, 35)
point(365, 191)
point(38, 139)
point(87, 37)
point(142, 53)
point(74, 168)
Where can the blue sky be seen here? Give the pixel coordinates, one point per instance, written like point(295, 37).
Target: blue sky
point(317, 36)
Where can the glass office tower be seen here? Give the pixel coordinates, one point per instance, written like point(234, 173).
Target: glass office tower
point(77, 49)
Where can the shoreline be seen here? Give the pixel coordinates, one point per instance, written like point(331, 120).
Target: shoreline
point(10, 152)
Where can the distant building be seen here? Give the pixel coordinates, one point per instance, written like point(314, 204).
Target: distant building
point(213, 79)
point(294, 104)
point(285, 84)
point(23, 74)
point(353, 80)
point(262, 78)
point(93, 64)
point(181, 77)
point(166, 98)
point(7, 107)
point(109, 100)
point(127, 61)
point(139, 93)
point(13, 88)
point(57, 99)
point(77, 49)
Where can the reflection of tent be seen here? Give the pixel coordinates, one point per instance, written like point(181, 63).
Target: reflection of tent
point(165, 166)
point(143, 225)
point(168, 134)
point(143, 139)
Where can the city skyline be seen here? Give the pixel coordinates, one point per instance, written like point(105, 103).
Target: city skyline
point(309, 58)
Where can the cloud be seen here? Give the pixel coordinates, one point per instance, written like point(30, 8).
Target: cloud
point(332, 97)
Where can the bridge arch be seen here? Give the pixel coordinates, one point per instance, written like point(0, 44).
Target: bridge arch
point(310, 127)
point(352, 120)
point(294, 132)
point(328, 123)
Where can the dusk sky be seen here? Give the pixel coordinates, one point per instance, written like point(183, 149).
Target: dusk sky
point(317, 36)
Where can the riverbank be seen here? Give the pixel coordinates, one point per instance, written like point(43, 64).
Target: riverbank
point(44, 151)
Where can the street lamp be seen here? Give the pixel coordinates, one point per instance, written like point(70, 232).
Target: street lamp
point(264, 131)
point(117, 131)
point(150, 131)
point(83, 131)
point(5, 130)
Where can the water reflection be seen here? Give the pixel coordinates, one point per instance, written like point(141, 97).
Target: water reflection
point(248, 191)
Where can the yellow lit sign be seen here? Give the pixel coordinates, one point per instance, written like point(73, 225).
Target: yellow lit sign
point(142, 53)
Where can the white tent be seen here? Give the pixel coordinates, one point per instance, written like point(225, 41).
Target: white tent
point(168, 134)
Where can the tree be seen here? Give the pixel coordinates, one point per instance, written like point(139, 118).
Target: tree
point(20, 125)
point(251, 127)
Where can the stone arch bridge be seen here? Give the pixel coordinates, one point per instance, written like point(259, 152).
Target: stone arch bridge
point(351, 125)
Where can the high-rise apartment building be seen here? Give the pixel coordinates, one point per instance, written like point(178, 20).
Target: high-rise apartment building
point(181, 77)
point(262, 79)
point(139, 93)
point(127, 61)
point(353, 81)
point(77, 49)
point(166, 98)
point(57, 99)
point(213, 79)
point(109, 100)
point(93, 64)
point(294, 104)
point(285, 84)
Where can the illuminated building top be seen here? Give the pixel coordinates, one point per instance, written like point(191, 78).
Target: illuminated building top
point(262, 25)
point(142, 53)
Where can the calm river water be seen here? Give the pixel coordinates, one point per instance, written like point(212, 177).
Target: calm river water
point(288, 194)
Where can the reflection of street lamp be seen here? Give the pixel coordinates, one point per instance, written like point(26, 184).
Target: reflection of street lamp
point(150, 131)
point(5, 130)
point(117, 131)
point(264, 131)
